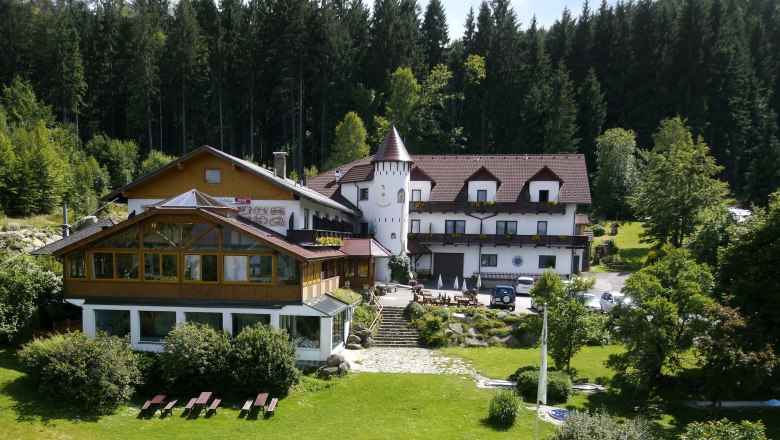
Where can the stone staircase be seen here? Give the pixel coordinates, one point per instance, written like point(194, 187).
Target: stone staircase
point(395, 330)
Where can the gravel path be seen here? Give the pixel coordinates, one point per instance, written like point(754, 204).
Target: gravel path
point(406, 360)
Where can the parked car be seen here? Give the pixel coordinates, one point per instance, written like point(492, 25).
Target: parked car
point(610, 299)
point(503, 296)
point(523, 285)
point(591, 302)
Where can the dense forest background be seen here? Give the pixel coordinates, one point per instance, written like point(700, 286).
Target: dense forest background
point(253, 77)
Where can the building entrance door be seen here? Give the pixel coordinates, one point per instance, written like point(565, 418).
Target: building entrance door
point(448, 264)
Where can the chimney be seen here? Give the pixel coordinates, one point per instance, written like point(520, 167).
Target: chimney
point(280, 164)
point(65, 227)
point(305, 180)
point(337, 174)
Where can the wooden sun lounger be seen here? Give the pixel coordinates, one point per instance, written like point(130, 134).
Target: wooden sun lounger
point(271, 407)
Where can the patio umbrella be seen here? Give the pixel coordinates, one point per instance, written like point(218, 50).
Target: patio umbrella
point(456, 283)
point(479, 281)
point(465, 287)
point(439, 284)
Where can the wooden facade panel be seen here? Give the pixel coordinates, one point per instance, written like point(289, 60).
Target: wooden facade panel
point(324, 286)
point(236, 182)
point(183, 291)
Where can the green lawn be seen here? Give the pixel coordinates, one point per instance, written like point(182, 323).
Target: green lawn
point(631, 250)
point(500, 362)
point(362, 405)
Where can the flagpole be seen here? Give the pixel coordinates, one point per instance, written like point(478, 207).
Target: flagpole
point(541, 394)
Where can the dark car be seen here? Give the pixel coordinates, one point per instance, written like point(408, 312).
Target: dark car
point(503, 296)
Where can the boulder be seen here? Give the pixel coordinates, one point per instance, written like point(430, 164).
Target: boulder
point(456, 327)
point(343, 368)
point(363, 334)
point(472, 332)
point(329, 371)
point(463, 318)
point(368, 342)
point(359, 326)
point(502, 315)
point(354, 347)
point(353, 339)
point(473, 342)
point(498, 341)
point(334, 360)
point(511, 341)
point(12, 226)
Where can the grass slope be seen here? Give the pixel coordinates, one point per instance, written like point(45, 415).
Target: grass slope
point(631, 250)
point(362, 405)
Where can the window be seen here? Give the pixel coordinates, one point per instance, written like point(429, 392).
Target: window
point(304, 330)
point(244, 320)
point(162, 236)
point(455, 226)
point(200, 267)
point(415, 226)
point(546, 261)
point(234, 240)
point(364, 228)
point(112, 322)
point(362, 267)
point(122, 240)
point(235, 268)
point(213, 175)
point(363, 193)
point(77, 265)
point(544, 195)
point(482, 195)
point(506, 228)
point(541, 228)
point(161, 267)
point(305, 218)
point(417, 195)
point(213, 320)
point(103, 265)
point(126, 266)
point(349, 267)
point(337, 331)
point(489, 260)
point(286, 270)
point(261, 269)
point(199, 236)
point(155, 326)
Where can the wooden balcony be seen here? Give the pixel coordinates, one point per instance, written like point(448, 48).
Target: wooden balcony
point(310, 236)
point(488, 207)
point(564, 241)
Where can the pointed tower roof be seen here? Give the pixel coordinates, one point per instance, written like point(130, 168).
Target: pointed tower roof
point(392, 149)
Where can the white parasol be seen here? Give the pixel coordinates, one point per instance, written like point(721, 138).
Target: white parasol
point(456, 283)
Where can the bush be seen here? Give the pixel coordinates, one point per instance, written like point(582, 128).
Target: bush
point(400, 268)
point(263, 359)
point(504, 407)
point(597, 330)
point(364, 314)
point(195, 356)
point(414, 311)
point(599, 425)
point(598, 230)
point(442, 313)
point(431, 329)
point(558, 385)
point(529, 324)
point(724, 430)
point(27, 292)
point(94, 374)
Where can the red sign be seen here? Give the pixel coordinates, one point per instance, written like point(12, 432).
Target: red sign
point(243, 200)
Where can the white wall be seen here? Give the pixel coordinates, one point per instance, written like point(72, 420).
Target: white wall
point(138, 205)
point(537, 185)
point(557, 224)
point(425, 189)
point(489, 186)
point(530, 256)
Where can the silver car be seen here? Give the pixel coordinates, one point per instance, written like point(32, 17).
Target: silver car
point(610, 299)
point(591, 302)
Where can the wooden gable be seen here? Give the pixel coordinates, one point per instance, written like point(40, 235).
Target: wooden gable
point(191, 174)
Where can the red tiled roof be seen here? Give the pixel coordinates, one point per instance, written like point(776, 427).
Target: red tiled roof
point(514, 172)
point(581, 219)
point(415, 247)
point(392, 149)
point(359, 173)
point(363, 247)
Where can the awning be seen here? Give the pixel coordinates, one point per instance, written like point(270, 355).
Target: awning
point(363, 247)
point(415, 247)
point(326, 304)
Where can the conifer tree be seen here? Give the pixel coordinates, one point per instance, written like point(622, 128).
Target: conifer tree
point(561, 126)
point(590, 119)
point(763, 176)
point(434, 34)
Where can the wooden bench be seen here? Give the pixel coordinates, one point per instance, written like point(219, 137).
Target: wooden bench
point(169, 407)
point(190, 404)
point(146, 405)
point(271, 407)
point(247, 406)
point(214, 405)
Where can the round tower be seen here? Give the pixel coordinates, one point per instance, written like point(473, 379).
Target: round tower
point(389, 200)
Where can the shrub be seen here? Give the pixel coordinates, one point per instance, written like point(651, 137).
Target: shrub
point(95, 374)
point(364, 315)
point(194, 356)
point(724, 430)
point(400, 268)
point(414, 311)
point(529, 324)
point(599, 425)
point(346, 295)
point(263, 359)
point(431, 329)
point(442, 313)
point(504, 407)
point(484, 325)
point(27, 291)
point(598, 230)
point(558, 386)
point(596, 329)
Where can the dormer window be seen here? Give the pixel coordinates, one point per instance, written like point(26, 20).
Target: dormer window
point(482, 195)
point(417, 195)
point(544, 195)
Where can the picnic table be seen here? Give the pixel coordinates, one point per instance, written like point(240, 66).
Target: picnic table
point(261, 400)
point(157, 401)
point(203, 399)
point(462, 300)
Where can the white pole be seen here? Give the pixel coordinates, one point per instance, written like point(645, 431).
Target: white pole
point(541, 394)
